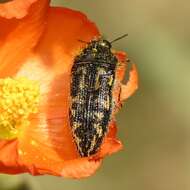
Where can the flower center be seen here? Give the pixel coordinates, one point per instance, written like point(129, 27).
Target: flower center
point(19, 98)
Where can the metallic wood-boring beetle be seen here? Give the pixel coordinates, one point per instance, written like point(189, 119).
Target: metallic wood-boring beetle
point(92, 80)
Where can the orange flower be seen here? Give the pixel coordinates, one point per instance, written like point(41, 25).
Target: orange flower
point(37, 47)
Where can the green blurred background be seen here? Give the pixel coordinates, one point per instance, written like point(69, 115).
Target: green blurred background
point(154, 124)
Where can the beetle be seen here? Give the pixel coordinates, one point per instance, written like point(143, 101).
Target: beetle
point(92, 81)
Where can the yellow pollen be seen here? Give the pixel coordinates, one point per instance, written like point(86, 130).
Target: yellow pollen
point(19, 98)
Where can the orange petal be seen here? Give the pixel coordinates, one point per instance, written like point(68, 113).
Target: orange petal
point(18, 38)
point(9, 157)
point(59, 47)
point(80, 168)
point(128, 89)
point(111, 144)
point(15, 8)
point(132, 84)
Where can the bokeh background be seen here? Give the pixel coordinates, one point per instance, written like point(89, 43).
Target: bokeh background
point(154, 124)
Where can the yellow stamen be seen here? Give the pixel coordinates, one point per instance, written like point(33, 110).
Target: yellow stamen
point(18, 99)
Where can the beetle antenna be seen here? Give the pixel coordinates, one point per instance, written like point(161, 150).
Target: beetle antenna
point(119, 38)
